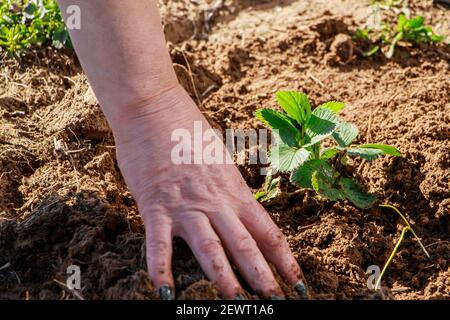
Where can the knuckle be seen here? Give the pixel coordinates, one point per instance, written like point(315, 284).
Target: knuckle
point(245, 244)
point(218, 266)
point(210, 246)
point(275, 237)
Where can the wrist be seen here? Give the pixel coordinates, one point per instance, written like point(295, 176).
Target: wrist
point(150, 120)
point(130, 105)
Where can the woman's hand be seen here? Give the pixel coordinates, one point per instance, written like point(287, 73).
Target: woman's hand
point(122, 49)
point(209, 206)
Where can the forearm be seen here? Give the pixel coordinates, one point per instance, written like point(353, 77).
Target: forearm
point(122, 49)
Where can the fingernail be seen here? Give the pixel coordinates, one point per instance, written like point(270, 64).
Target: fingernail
point(240, 296)
point(301, 289)
point(166, 293)
point(276, 297)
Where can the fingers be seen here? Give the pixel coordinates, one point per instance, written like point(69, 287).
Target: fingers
point(246, 255)
point(208, 250)
point(159, 255)
point(273, 245)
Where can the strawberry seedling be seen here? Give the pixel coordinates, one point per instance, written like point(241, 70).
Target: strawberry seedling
point(411, 31)
point(299, 133)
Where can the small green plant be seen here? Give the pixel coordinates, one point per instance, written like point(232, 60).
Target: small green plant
point(407, 30)
point(299, 134)
point(364, 35)
point(28, 23)
point(413, 31)
point(402, 235)
point(270, 189)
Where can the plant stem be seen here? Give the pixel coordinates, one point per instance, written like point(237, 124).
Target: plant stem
point(391, 257)
point(409, 226)
point(316, 151)
point(394, 42)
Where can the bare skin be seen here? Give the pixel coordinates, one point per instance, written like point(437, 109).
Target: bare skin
point(122, 49)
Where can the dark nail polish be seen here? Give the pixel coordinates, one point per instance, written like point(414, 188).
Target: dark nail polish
point(166, 293)
point(301, 289)
point(240, 296)
point(276, 297)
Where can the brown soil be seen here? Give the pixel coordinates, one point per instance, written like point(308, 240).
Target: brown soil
point(56, 211)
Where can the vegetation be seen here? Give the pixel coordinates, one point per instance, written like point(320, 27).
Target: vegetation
point(412, 31)
point(394, 252)
point(28, 23)
point(298, 150)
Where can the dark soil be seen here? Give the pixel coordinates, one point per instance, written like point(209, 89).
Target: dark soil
point(57, 211)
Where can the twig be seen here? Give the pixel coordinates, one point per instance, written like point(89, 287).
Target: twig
point(61, 150)
point(5, 266)
point(409, 226)
point(421, 78)
point(316, 80)
point(72, 291)
point(391, 257)
point(369, 128)
point(209, 89)
point(17, 277)
point(188, 65)
point(437, 242)
point(397, 245)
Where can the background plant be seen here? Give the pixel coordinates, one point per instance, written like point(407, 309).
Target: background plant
point(28, 23)
point(412, 31)
point(298, 150)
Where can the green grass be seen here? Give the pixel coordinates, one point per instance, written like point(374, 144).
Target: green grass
point(397, 246)
point(26, 24)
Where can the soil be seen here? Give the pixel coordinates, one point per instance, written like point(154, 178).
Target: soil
point(57, 209)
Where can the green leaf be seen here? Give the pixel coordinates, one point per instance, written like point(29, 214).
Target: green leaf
point(345, 134)
point(259, 195)
point(287, 132)
point(383, 147)
point(323, 185)
point(334, 106)
point(284, 158)
point(315, 181)
point(371, 52)
point(401, 22)
point(355, 193)
point(302, 176)
point(272, 187)
point(415, 23)
point(328, 153)
point(437, 38)
point(367, 154)
point(30, 10)
point(60, 38)
point(362, 34)
point(296, 105)
point(321, 125)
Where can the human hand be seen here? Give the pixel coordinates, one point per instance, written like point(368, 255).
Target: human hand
point(209, 206)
